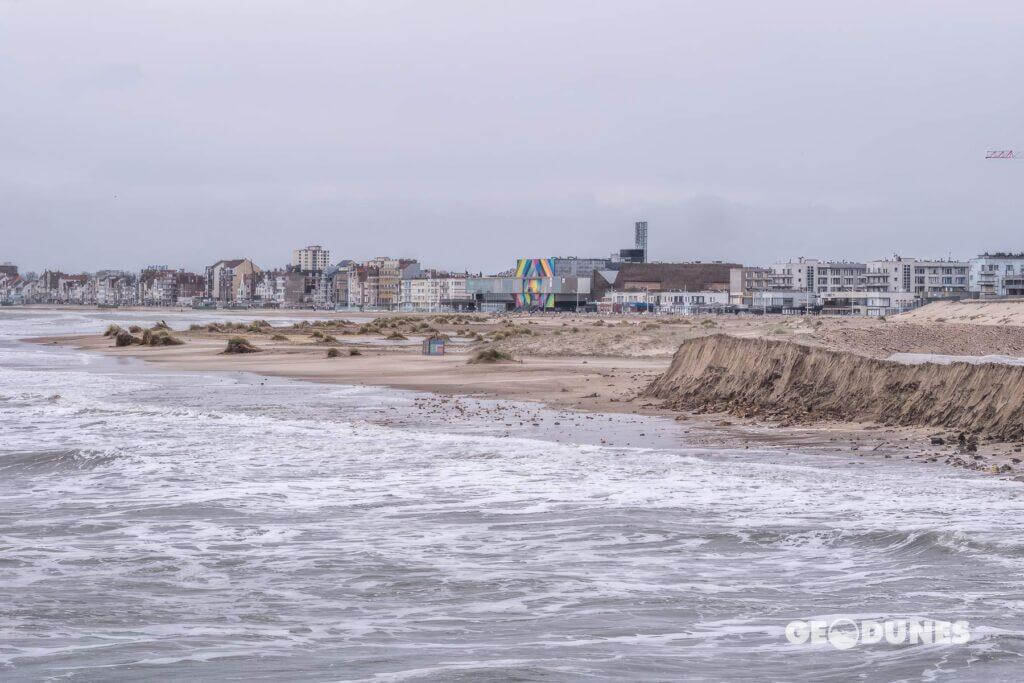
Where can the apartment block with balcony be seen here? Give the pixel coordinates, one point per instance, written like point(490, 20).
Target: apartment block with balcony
point(435, 292)
point(867, 303)
point(997, 274)
point(815, 275)
point(745, 280)
point(793, 276)
point(940, 279)
point(888, 276)
point(927, 278)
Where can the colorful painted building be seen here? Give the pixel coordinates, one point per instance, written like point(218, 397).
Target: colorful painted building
point(532, 285)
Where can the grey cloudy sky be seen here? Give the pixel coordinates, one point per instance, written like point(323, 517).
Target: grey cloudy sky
point(470, 133)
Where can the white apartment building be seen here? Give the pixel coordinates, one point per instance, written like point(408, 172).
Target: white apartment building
point(433, 293)
point(313, 258)
point(814, 275)
point(678, 302)
point(938, 279)
point(629, 299)
point(998, 274)
point(792, 275)
point(868, 303)
point(889, 275)
point(837, 276)
point(928, 279)
point(689, 302)
point(781, 300)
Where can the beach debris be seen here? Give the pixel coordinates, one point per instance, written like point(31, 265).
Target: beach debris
point(240, 345)
point(967, 444)
point(159, 337)
point(125, 338)
point(489, 355)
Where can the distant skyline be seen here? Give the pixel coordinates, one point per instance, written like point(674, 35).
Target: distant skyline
point(466, 134)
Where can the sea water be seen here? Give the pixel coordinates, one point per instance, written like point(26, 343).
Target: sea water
point(221, 526)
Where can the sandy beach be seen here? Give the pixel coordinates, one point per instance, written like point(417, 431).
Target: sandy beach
point(583, 363)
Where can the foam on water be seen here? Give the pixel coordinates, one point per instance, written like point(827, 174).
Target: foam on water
point(212, 526)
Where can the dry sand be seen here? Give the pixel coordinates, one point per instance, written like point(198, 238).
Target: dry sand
point(587, 363)
point(975, 312)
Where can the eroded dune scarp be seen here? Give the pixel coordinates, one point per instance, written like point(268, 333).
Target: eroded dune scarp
point(790, 381)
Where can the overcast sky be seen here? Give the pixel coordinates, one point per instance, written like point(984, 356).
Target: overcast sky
point(470, 133)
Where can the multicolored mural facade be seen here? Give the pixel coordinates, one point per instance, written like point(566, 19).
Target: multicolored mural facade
point(531, 300)
point(535, 267)
point(533, 271)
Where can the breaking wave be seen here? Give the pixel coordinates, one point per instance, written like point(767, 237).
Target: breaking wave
point(157, 525)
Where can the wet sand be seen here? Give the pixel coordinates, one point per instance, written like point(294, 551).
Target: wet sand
point(591, 384)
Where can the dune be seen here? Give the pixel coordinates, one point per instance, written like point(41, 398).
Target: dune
point(799, 383)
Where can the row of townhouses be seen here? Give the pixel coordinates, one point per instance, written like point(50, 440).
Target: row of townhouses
point(621, 282)
point(308, 281)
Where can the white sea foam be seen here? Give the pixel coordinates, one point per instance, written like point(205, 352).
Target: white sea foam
point(162, 525)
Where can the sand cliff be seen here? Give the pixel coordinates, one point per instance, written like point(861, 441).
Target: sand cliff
point(799, 383)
